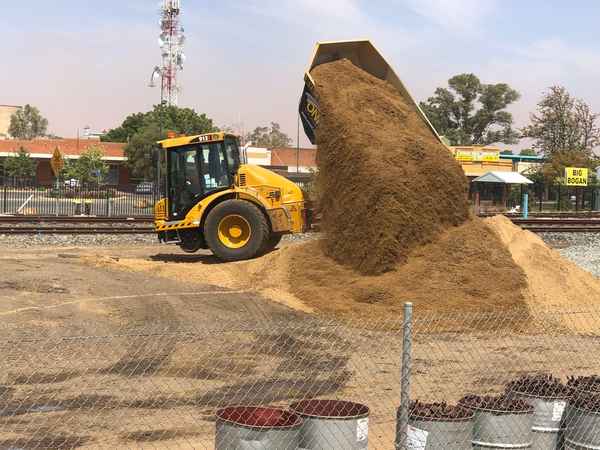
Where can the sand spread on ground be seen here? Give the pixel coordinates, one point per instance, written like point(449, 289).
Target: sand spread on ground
point(386, 183)
point(482, 266)
point(555, 285)
point(266, 275)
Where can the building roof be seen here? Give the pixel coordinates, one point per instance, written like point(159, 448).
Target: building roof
point(503, 177)
point(289, 157)
point(522, 158)
point(70, 148)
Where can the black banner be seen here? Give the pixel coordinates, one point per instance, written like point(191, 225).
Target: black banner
point(309, 113)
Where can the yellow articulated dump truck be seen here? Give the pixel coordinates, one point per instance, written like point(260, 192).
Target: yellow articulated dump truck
point(215, 201)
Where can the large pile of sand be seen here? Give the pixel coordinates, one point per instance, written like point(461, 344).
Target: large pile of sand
point(467, 269)
point(387, 184)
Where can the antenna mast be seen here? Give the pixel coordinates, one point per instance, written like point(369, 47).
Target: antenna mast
point(171, 41)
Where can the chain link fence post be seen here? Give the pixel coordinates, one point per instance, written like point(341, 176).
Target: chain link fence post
point(403, 410)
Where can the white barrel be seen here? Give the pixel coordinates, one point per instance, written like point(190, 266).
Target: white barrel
point(547, 420)
point(257, 428)
point(333, 425)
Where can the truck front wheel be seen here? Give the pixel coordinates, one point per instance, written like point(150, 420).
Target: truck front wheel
point(235, 230)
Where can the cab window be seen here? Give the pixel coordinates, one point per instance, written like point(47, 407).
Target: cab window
point(214, 167)
point(196, 171)
point(232, 154)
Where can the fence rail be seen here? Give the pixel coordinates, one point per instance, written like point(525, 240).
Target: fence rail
point(74, 199)
point(549, 198)
point(69, 198)
point(94, 386)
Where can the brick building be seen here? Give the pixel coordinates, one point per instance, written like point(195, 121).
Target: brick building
point(303, 160)
point(41, 151)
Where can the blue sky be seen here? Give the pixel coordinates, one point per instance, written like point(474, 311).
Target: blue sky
point(88, 62)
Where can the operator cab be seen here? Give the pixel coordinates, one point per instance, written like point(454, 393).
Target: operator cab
point(197, 167)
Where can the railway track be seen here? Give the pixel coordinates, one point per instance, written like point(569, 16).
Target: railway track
point(559, 224)
point(74, 219)
point(124, 225)
point(74, 225)
point(76, 230)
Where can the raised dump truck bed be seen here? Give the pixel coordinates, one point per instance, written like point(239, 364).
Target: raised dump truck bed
point(363, 54)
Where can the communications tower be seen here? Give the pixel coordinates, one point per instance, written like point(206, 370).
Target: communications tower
point(171, 41)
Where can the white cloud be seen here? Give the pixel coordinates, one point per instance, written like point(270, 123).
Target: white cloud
point(309, 12)
point(346, 10)
point(464, 16)
point(532, 68)
point(566, 57)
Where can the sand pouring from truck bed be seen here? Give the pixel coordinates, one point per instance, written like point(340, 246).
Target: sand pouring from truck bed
point(387, 184)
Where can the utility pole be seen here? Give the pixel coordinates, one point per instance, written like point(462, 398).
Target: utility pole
point(298, 147)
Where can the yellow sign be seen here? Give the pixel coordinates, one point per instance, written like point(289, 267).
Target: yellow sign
point(462, 155)
point(477, 155)
point(57, 162)
point(487, 156)
point(575, 176)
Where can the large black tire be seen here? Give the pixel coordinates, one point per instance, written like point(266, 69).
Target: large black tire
point(191, 240)
point(272, 242)
point(259, 230)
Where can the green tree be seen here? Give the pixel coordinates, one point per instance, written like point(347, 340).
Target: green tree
point(141, 131)
point(141, 152)
point(27, 123)
point(269, 137)
point(506, 152)
point(528, 152)
point(88, 168)
point(20, 165)
point(453, 113)
point(131, 125)
point(565, 132)
point(563, 124)
point(554, 166)
point(184, 121)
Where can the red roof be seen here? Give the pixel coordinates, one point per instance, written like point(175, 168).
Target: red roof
point(289, 157)
point(68, 147)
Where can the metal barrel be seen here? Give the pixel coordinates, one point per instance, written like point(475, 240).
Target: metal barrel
point(431, 434)
point(333, 425)
point(501, 429)
point(257, 428)
point(548, 415)
point(582, 431)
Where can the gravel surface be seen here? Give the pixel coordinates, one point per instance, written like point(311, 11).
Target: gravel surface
point(75, 240)
point(99, 240)
point(581, 248)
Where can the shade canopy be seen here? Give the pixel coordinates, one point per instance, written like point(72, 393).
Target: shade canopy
point(503, 178)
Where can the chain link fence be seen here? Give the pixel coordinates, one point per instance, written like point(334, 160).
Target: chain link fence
point(254, 385)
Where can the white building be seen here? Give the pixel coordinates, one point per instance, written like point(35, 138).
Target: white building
point(258, 156)
point(6, 112)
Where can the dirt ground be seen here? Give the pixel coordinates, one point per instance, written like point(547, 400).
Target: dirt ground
point(137, 347)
